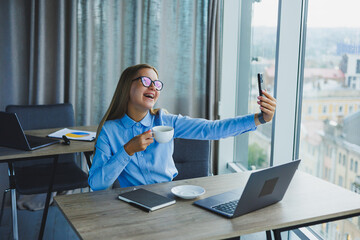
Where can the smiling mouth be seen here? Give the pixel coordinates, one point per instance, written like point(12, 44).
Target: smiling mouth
point(149, 95)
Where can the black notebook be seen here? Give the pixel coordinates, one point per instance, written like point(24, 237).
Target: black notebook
point(146, 199)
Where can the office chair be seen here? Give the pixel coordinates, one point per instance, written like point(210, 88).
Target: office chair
point(33, 176)
point(192, 158)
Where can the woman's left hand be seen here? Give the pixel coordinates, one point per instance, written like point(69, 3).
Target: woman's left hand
point(267, 105)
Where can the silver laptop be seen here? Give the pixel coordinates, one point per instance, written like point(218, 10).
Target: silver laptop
point(13, 136)
point(263, 188)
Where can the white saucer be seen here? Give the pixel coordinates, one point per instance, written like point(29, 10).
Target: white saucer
point(188, 191)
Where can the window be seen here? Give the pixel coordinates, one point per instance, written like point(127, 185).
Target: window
point(340, 183)
point(339, 158)
point(324, 109)
point(325, 74)
point(327, 150)
point(340, 109)
point(262, 55)
point(325, 173)
point(257, 24)
point(339, 55)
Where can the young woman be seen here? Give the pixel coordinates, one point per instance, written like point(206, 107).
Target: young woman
point(125, 149)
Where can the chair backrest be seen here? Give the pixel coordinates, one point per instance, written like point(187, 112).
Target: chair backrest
point(192, 158)
point(44, 116)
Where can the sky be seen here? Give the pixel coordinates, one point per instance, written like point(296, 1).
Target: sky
point(321, 13)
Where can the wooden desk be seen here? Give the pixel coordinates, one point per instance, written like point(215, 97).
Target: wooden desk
point(11, 155)
point(99, 215)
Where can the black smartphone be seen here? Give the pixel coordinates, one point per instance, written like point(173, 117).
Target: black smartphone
point(260, 83)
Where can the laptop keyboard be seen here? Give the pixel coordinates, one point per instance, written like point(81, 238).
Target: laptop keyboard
point(228, 207)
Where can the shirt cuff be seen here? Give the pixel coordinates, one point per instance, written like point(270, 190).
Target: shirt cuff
point(251, 122)
point(122, 155)
point(123, 158)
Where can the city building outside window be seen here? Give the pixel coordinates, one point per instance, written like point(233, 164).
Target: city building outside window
point(332, 80)
point(330, 97)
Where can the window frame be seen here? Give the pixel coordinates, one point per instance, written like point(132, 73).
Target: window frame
point(357, 67)
point(288, 87)
point(289, 61)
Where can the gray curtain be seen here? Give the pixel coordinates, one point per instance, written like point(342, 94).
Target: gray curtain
point(213, 59)
point(213, 72)
point(170, 35)
point(37, 54)
point(74, 51)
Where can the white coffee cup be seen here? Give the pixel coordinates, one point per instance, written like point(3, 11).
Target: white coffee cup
point(163, 134)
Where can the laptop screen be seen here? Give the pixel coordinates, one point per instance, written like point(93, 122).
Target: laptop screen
point(11, 132)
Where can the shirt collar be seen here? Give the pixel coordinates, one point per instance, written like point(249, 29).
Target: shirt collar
point(128, 122)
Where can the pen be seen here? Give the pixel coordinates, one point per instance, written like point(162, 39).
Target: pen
point(66, 140)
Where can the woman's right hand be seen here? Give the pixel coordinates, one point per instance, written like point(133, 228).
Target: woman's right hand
point(139, 143)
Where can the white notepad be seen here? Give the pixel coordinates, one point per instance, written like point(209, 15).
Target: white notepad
point(146, 199)
point(74, 134)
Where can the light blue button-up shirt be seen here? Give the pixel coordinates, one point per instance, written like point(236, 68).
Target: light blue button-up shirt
point(155, 164)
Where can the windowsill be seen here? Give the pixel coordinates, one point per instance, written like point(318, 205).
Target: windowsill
point(236, 167)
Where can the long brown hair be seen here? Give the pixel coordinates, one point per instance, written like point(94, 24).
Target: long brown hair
point(119, 102)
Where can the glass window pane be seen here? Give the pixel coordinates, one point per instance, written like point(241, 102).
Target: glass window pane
point(330, 137)
point(261, 42)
